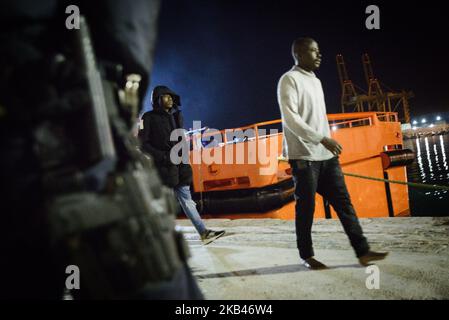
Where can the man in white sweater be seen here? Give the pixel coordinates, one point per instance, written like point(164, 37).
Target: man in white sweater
point(313, 154)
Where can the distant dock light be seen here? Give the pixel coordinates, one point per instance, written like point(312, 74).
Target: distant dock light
point(438, 118)
point(415, 122)
point(423, 120)
point(431, 125)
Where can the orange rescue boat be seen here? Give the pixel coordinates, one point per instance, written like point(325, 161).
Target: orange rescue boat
point(372, 146)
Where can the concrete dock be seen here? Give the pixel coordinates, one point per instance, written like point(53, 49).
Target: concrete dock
point(258, 259)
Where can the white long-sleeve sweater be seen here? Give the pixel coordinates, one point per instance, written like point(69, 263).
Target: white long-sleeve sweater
point(304, 119)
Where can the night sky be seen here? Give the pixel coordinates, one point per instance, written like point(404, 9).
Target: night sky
point(225, 57)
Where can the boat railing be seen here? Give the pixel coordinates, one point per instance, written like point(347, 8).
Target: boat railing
point(351, 123)
point(245, 133)
point(336, 121)
point(387, 116)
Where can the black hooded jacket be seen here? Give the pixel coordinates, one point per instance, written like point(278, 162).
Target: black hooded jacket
point(155, 137)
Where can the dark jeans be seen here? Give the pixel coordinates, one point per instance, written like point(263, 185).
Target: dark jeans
point(326, 178)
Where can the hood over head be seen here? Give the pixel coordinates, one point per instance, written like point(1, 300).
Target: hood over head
point(161, 90)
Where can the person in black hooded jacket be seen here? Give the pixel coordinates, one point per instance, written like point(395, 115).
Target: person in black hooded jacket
point(158, 125)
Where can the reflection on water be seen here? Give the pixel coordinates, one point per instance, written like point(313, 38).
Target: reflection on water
point(431, 167)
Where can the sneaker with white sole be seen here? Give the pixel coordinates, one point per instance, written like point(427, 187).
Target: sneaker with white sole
point(211, 235)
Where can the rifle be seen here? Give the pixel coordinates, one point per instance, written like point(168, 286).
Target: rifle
point(109, 211)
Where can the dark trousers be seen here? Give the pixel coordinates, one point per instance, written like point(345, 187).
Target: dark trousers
point(326, 178)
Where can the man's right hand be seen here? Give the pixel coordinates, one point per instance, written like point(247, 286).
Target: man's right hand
point(332, 145)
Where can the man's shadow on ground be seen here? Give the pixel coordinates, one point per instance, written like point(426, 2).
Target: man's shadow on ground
point(271, 271)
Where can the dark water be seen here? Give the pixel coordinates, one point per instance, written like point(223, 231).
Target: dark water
point(431, 166)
